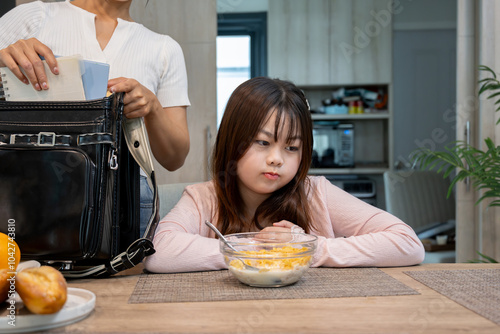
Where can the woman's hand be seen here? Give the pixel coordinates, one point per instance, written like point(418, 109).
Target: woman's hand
point(167, 127)
point(138, 100)
point(24, 55)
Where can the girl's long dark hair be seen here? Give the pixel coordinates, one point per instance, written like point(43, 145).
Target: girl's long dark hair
point(248, 108)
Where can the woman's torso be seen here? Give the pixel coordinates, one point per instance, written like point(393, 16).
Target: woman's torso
point(69, 30)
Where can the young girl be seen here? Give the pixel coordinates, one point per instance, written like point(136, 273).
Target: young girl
point(260, 164)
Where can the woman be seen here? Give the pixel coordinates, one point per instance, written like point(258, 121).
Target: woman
point(148, 67)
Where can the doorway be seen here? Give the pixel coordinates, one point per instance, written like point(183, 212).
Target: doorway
point(424, 87)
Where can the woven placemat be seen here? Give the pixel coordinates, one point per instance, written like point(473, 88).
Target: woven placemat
point(476, 289)
point(210, 286)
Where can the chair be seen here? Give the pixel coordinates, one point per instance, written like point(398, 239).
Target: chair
point(419, 199)
point(169, 195)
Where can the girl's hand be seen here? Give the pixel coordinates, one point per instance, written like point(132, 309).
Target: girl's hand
point(286, 224)
point(138, 100)
point(25, 55)
point(282, 226)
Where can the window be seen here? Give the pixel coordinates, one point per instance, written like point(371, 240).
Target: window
point(233, 67)
point(241, 52)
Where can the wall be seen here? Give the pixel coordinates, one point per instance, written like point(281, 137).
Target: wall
point(416, 13)
point(424, 78)
point(242, 6)
point(426, 14)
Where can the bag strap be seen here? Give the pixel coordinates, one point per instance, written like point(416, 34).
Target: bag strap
point(53, 139)
point(134, 131)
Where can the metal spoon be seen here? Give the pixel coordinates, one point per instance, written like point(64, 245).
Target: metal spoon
point(224, 240)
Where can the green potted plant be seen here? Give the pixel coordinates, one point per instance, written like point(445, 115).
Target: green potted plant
point(482, 167)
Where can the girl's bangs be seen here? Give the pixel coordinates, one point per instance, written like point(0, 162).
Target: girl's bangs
point(294, 130)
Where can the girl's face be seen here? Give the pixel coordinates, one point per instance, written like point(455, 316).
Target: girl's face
point(268, 165)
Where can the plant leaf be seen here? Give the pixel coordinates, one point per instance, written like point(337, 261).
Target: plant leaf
point(488, 259)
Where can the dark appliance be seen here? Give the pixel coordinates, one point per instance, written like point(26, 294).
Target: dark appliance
point(361, 187)
point(333, 145)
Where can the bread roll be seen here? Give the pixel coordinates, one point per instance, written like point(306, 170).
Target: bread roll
point(43, 290)
point(4, 285)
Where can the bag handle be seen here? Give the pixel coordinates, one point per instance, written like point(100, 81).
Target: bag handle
point(134, 131)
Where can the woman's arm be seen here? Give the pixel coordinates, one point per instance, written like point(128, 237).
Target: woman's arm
point(166, 115)
point(167, 127)
point(169, 136)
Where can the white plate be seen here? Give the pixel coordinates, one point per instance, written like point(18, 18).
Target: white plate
point(78, 305)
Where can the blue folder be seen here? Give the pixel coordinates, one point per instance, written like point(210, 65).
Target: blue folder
point(95, 79)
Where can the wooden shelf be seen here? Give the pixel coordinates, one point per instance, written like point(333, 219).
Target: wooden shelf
point(372, 132)
point(353, 170)
point(344, 85)
point(437, 248)
point(366, 116)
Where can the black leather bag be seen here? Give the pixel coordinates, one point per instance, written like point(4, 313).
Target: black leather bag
point(69, 184)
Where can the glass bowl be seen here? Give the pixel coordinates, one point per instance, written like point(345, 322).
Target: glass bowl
point(281, 257)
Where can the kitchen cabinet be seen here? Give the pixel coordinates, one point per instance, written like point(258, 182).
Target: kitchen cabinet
point(316, 43)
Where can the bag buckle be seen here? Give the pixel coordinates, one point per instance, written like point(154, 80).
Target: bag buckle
point(46, 134)
point(113, 160)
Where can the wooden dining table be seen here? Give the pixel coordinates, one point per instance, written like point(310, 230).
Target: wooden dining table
point(425, 312)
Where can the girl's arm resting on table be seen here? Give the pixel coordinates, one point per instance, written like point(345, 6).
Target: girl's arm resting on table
point(182, 240)
point(364, 235)
point(397, 245)
point(179, 251)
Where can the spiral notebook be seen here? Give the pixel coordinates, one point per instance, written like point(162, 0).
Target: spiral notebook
point(78, 80)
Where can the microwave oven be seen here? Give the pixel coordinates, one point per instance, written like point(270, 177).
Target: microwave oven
point(333, 145)
point(361, 187)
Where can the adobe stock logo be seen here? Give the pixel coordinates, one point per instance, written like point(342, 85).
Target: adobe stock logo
point(363, 37)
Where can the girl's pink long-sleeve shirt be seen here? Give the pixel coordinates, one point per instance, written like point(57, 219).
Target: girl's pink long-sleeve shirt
point(351, 233)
